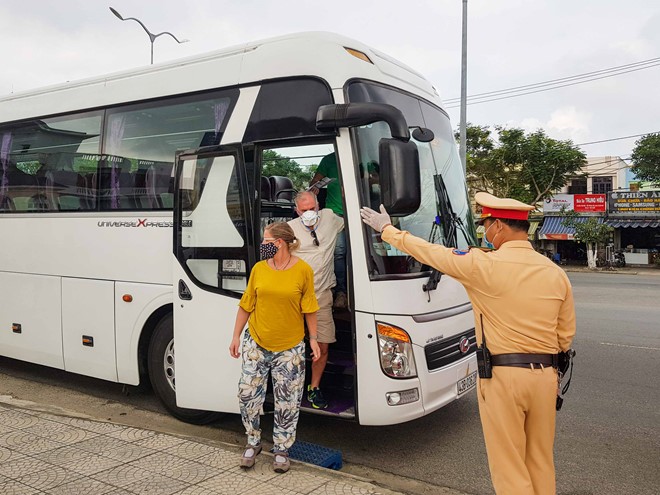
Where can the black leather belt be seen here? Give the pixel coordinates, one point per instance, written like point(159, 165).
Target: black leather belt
point(524, 360)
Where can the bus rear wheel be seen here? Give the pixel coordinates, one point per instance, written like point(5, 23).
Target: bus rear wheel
point(161, 366)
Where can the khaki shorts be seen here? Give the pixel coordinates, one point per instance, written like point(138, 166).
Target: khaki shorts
point(325, 323)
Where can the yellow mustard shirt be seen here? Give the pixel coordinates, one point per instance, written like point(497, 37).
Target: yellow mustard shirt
point(277, 301)
point(526, 301)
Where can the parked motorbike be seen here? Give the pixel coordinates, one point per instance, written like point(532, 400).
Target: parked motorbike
point(619, 259)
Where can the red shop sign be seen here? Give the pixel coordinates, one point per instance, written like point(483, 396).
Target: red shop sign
point(584, 203)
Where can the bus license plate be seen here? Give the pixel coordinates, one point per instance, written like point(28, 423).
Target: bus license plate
point(467, 383)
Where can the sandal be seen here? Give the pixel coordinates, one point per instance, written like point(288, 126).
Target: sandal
point(281, 462)
point(249, 455)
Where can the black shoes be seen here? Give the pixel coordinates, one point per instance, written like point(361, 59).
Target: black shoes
point(315, 398)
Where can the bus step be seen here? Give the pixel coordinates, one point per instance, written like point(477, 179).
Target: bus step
point(316, 454)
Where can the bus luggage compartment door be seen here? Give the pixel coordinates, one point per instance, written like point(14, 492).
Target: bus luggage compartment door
point(88, 327)
point(31, 318)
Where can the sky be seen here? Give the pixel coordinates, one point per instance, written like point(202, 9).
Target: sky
point(511, 43)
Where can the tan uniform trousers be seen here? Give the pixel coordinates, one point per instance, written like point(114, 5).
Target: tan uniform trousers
point(517, 409)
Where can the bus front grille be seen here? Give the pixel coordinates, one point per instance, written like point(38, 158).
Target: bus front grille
point(450, 350)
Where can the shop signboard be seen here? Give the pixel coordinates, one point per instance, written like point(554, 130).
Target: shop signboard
point(634, 204)
point(554, 204)
point(558, 237)
point(589, 203)
point(580, 203)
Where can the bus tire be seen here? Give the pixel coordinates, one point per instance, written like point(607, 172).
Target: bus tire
point(160, 362)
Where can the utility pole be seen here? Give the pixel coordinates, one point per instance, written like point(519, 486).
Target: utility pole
point(463, 122)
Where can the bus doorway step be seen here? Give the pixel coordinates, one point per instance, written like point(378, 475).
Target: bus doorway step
point(341, 405)
point(316, 454)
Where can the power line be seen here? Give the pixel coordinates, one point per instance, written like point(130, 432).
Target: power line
point(553, 87)
point(555, 81)
point(550, 89)
point(617, 138)
point(609, 164)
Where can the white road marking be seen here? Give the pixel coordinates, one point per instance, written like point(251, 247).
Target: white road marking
point(631, 346)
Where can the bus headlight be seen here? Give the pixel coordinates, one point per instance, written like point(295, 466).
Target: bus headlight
point(396, 352)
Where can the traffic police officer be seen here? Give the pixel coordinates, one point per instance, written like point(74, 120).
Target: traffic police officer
point(523, 309)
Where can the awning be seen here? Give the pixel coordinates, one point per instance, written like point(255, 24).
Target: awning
point(533, 226)
point(553, 230)
point(632, 223)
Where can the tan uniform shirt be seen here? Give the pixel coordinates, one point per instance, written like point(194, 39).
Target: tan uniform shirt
point(525, 299)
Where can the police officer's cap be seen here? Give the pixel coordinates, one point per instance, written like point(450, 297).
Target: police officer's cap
point(494, 207)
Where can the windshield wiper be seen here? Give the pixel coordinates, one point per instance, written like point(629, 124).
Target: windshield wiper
point(449, 222)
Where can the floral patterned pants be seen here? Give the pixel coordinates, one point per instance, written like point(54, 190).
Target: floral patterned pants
point(288, 371)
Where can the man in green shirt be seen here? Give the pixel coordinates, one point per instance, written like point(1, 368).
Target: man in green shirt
point(328, 168)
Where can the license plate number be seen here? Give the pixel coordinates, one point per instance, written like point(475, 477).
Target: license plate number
point(467, 383)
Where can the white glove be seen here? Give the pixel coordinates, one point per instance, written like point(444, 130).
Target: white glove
point(375, 220)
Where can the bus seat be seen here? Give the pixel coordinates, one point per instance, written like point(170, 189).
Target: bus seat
point(87, 188)
point(62, 190)
point(7, 204)
point(50, 188)
point(281, 188)
point(39, 202)
point(159, 186)
point(150, 179)
point(265, 189)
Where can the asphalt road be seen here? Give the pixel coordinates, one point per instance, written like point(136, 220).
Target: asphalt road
point(608, 433)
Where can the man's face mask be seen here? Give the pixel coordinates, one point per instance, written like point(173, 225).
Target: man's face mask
point(484, 241)
point(309, 218)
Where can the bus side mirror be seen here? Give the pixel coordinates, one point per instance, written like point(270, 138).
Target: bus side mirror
point(400, 179)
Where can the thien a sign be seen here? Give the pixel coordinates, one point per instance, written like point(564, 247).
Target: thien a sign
point(634, 204)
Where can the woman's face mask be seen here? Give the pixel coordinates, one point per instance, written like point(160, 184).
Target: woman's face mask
point(309, 218)
point(485, 242)
point(267, 250)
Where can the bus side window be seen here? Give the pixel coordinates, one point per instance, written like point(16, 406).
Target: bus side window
point(213, 228)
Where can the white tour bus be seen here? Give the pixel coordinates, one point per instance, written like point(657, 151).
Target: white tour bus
point(132, 206)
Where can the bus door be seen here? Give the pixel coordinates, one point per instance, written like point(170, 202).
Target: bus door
point(212, 239)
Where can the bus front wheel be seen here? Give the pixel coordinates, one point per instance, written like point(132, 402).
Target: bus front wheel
point(161, 367)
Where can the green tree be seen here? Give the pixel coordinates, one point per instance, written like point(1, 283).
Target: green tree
point(646, 158)
point(527, 167)
point(276, 164)
point(478, 150)
point(536, 165)
point(590, 232)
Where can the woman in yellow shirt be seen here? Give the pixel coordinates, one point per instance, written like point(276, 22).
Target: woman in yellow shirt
point(278, 299)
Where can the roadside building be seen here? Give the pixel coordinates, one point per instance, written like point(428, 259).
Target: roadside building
point(556, 238)
point(635, 216)
point(608, 191)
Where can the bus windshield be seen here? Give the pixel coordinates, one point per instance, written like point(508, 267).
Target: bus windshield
point(442, 179)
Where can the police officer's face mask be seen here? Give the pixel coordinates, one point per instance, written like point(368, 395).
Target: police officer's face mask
point(484, 241)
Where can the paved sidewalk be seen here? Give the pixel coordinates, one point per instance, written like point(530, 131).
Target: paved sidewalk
point(42, 452)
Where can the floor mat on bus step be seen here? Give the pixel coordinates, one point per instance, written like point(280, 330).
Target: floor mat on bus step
point(316, 454)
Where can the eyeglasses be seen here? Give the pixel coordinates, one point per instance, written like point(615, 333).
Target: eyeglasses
point(268, 239)
point(315, 237)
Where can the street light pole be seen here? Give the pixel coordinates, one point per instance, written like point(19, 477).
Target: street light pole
point(152, 37)
point(463, 122)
